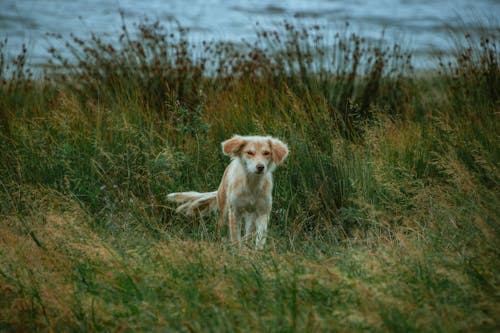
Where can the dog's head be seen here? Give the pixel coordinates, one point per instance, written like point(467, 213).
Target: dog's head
point(259, 154)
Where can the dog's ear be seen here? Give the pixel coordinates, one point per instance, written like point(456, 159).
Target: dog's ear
point(233, 146)
point(279, 150)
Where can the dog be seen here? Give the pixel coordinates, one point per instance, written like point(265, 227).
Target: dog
point(245, 192)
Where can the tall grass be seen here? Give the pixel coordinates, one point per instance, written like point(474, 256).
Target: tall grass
point(385, 216)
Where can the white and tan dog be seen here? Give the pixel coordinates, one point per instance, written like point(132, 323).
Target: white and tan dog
point(245, 192)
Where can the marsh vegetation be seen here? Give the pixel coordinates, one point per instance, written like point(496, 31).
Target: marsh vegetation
point(385, 215)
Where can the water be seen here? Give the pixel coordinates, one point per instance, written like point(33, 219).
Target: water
point(420, 25)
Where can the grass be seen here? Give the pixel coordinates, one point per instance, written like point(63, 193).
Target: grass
point(385, 216)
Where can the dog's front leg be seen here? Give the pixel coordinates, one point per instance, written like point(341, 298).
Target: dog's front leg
point(234, 225)
point(249, 225)
point(261, 231)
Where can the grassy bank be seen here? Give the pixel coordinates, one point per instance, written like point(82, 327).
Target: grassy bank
point(385, 216)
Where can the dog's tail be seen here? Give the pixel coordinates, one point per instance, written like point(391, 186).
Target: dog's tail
point(191, 202)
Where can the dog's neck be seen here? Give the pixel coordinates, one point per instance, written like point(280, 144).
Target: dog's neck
point(257, 181)
point(254, 178)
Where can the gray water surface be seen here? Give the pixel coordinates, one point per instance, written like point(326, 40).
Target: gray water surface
point(421, 26)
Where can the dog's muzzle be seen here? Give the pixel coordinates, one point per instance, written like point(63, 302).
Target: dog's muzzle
point(260, 168)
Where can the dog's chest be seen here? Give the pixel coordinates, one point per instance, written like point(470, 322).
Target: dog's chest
point(249, 199)
point(252, 198)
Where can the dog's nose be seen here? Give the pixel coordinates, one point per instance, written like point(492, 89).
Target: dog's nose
point(260, 167)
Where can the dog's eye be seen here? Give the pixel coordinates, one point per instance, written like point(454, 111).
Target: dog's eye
point(266, 153)
point(250, 153)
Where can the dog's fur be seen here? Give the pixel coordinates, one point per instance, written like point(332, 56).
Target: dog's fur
point(245, 192)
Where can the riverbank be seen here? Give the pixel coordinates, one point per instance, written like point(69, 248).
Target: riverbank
point(385, 215)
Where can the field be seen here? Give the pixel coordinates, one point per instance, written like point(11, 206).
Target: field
point(385, 216)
